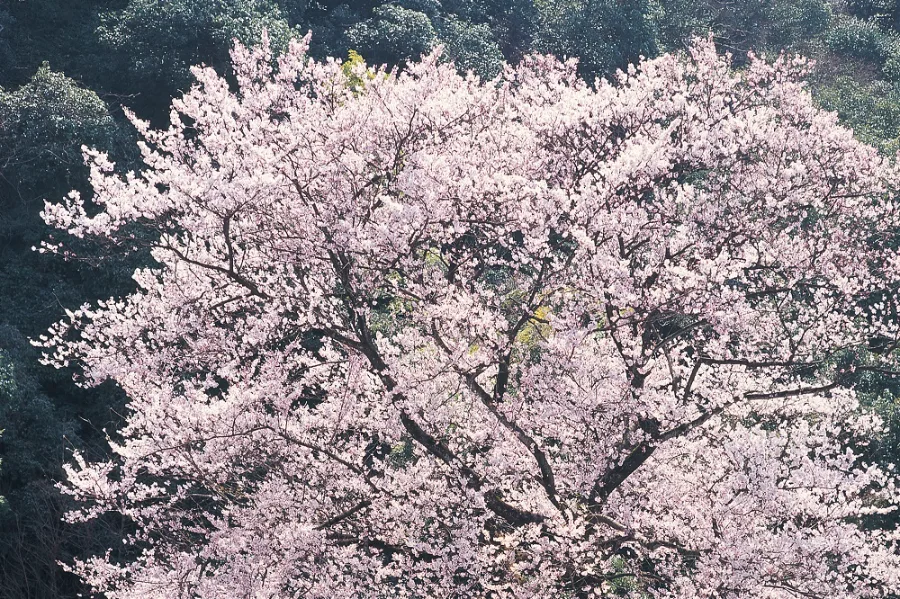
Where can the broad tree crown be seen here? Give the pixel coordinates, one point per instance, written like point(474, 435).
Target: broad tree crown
point(413, 334)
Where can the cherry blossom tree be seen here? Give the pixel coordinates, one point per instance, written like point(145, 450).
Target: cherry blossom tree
point(411, 334)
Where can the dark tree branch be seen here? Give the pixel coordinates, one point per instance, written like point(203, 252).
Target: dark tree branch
point(548, 479)
point(344, 515)
point(792, 392)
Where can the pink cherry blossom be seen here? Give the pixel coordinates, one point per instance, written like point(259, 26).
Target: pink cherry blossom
point(431, 336)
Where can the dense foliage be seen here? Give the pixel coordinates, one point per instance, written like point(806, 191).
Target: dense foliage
point(67, 68)
point(521, 339)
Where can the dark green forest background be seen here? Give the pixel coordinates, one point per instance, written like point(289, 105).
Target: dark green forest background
point(68, 67)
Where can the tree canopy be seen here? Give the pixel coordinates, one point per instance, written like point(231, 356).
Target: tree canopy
point(524, 338)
